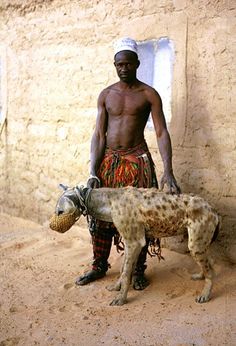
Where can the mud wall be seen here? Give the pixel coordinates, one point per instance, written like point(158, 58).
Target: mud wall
point(57, 56)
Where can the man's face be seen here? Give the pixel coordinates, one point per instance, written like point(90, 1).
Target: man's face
point(126, 64)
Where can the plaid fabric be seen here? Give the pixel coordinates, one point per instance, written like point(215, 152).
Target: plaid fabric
point(102, 242)
point(120, 168)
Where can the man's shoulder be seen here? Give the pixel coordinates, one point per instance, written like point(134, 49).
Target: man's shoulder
point(150, 91)
point(147, 88)
point(108, 89)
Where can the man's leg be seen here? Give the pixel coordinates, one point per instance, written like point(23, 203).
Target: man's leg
point(102, 240)
point(140, 282)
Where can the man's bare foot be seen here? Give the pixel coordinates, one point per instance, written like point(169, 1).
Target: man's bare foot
point(140, 282)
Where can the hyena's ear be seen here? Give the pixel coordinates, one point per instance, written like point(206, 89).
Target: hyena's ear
point(63, 187)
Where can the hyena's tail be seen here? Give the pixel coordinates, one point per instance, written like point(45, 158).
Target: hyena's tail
point(217, 230)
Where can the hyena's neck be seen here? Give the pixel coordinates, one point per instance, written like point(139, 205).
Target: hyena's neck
point(98, 205)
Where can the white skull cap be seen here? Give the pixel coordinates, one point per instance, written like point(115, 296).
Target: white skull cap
point(125, 43)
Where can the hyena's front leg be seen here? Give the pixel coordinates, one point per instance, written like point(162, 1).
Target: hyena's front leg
point(117, 285)
point(132, 251)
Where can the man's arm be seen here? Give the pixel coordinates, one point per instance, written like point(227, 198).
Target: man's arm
point(163, 141)
point(98, 142)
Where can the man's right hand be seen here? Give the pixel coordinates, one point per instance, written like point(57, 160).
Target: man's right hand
point(93, 182)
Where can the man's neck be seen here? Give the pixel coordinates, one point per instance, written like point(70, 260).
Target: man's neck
point(128, 85)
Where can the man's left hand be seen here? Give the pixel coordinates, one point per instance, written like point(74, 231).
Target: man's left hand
point(93, 182)
point(169, 180)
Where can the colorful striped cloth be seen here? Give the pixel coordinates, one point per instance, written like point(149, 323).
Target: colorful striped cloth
point(131, 167)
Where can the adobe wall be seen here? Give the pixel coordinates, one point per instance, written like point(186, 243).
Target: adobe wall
point(59, 56)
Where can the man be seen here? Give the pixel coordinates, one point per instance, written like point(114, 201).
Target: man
point(119, 153)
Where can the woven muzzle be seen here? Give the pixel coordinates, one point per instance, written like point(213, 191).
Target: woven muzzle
point(63, 222)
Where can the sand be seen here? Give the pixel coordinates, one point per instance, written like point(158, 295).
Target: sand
point(40, 305)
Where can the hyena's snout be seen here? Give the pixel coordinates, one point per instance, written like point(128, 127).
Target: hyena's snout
point(65, 206)
point(66, 213)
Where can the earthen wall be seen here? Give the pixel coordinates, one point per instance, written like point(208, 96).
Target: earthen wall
point(58, 56)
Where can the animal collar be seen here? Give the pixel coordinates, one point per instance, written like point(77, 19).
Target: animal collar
point(83, 194)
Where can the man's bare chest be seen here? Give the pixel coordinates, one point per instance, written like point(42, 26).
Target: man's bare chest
point(118, 103)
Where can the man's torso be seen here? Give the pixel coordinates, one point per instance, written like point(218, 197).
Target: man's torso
point(128, 112)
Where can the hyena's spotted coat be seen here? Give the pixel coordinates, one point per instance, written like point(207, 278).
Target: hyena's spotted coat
point(138, 211)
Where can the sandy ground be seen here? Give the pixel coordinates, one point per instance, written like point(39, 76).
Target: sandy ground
point(40, 305)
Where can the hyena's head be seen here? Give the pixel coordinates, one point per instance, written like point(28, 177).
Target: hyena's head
point(68, 202)
point(68, 209)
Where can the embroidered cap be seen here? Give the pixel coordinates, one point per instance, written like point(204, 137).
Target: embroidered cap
point(125, 43)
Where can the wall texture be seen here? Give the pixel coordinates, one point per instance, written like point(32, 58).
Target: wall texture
point(57, 57)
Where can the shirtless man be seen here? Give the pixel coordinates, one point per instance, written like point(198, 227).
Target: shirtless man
point(119, 153)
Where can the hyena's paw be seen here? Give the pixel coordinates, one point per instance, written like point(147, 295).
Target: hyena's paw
point(202, 299)
point(118, 301)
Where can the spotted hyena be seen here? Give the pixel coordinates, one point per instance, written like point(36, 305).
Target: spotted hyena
point(140, 212)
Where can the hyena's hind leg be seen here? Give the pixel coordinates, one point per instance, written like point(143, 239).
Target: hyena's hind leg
point(199, 240)
point(200, 275)
point(206, 273)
